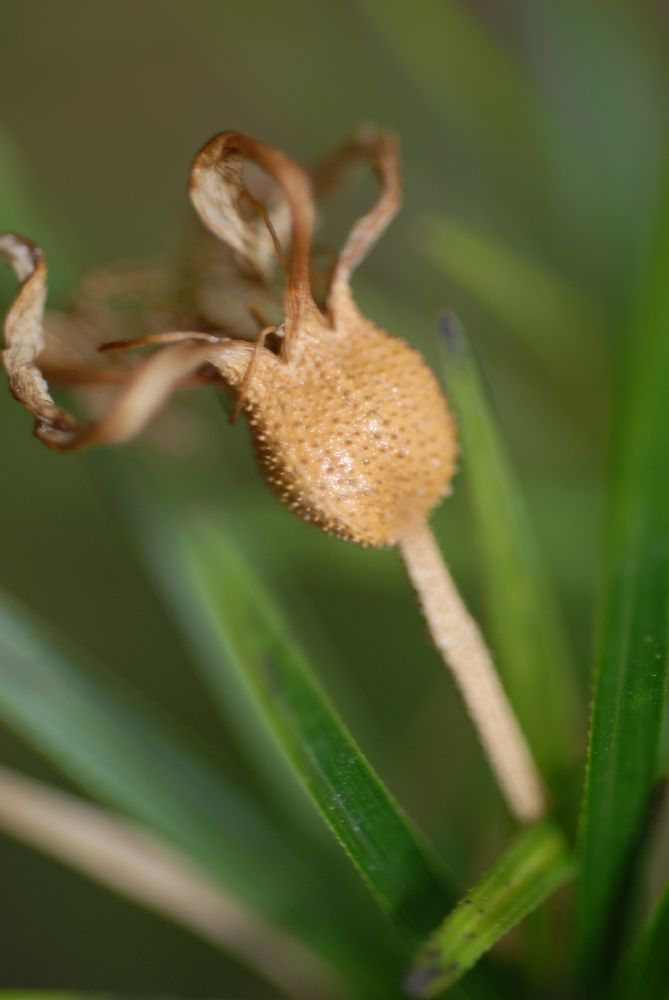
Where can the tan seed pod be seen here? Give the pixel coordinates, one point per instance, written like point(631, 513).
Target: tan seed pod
point(352, 431)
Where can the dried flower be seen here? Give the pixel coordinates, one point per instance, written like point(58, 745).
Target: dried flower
point(351, 428)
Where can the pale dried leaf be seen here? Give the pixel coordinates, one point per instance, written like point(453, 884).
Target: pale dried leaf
point(140, 866)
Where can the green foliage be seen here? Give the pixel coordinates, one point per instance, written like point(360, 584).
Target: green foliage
point(441, 47)
point(221, 598)
point(43, 995)
point(645, 971)
point(531, 870)
point(632, 660)
point(554, 322)
point(532, 187)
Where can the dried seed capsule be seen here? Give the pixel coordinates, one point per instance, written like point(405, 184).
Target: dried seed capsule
point(352, 432)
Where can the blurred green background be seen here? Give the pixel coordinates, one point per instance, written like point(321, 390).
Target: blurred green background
point(534, 139)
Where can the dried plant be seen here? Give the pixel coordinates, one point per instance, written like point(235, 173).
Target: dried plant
point(350, 426)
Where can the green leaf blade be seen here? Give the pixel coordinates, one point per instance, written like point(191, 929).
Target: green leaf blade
point(645, 971)
point(535, 866)
point(633, 655)
point(98, 738)
point(20, 213)
point(48, 995)
point(552, 320)
point(229, 601)
point(441, 47)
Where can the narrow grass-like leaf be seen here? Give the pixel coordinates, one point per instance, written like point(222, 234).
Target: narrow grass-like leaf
point(16, 210)
point(229, 602)
point(645, 971)
point(126, 859)
point(631, 676)
point(18, 213)
point(534, 867)
point(123, 756)
point(117, 752)
point(525, 627)
point(555, 322)
point(48, 995)
point(442, 47)
point(151, 500)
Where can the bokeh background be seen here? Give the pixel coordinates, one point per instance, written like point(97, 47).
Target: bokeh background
point(534, 138)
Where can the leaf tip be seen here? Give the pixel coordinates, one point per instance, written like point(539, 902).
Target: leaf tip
point(452, 333)
point(420, 978)
point(429, 976)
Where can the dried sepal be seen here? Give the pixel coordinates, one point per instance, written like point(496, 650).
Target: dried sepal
point(70, 355)
point(145, 388)
point(220, 196)
point(379, 148)
point(215, 189)
point(133, 298)
point(24, 335)
point(122, 301)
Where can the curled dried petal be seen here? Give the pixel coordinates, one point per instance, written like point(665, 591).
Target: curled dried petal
point(123, 301)
point(216, 194)
point(132, 299)
point(215, 188)
point(151, 385)
point(24, 333)
point(380, 148)
point(146, 388)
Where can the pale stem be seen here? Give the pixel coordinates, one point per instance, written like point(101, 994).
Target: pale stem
point(465, 653)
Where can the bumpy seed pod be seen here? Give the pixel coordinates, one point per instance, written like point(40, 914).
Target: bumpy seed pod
point(351, 428)
point(352, 431)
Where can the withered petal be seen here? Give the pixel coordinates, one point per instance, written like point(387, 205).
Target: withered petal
point(146, 388)
point(133, 298)
point(215, 188)
point(24, 333)
point(217, 185)
point(380, 148)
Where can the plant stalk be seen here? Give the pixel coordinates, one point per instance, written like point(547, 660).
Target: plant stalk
point(463, 649)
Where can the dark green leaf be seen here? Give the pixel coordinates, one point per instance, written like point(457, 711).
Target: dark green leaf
point(533, 868)
point(631, 675)
point(48, 995)
point(554, 322)
point(222, 598)
point(19, 213)
point(645, 972)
